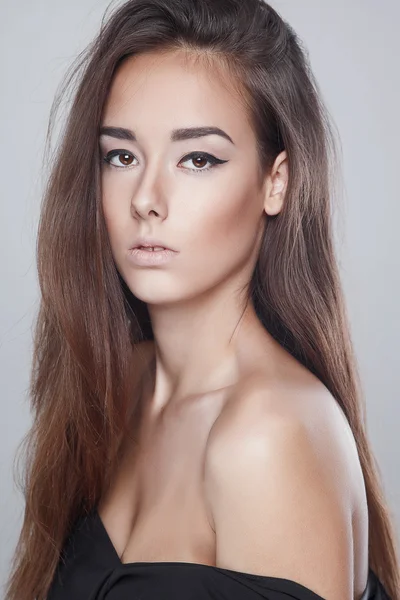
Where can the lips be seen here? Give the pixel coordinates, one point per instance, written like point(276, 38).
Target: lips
point(151, 243)
point(151, 248)
point(149, 258)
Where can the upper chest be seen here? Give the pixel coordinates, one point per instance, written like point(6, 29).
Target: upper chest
point(157, 508)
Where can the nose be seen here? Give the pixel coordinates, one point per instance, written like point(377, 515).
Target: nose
point(147, 200)
point(144, 212)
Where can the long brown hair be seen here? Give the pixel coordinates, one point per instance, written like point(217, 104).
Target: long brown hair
point(89, 322)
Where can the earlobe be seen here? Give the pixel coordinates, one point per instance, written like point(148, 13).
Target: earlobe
point(274, 204)
point(277, 185)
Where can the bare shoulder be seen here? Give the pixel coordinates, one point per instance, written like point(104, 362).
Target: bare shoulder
point(281, 479)
point(257, 410)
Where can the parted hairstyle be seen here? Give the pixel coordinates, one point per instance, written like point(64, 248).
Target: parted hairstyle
point(88, 322)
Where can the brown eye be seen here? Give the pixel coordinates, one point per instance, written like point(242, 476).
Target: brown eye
point(123, 159)
point(200, 161)
point(126, 158)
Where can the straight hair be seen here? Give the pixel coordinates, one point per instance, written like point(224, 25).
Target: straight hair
point(89, 323)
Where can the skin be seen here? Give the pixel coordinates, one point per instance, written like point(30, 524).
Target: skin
point(214, 219)
point(221, 400)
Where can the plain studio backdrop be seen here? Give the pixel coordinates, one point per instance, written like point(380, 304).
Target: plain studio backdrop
point(354, 52)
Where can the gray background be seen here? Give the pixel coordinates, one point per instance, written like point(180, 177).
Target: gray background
point(353, 47)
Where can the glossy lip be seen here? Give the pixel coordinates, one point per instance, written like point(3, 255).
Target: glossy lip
point(150, 242)
point(148, 258)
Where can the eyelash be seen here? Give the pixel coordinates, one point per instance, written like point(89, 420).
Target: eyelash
point(215, 162)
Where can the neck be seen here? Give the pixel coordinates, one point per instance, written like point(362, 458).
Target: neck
point(200, 345)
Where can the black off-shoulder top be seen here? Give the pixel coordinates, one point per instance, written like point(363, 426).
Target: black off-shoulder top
point(90, 569)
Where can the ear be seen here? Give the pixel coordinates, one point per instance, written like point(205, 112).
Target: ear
point(276, 185)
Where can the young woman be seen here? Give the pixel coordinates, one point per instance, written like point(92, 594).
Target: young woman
point(199, 430)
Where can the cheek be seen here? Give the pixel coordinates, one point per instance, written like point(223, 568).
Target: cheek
point(223, 235)
point(114, 215)
point(233, 218)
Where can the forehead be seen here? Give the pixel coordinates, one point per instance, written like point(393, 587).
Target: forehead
point(163, 91)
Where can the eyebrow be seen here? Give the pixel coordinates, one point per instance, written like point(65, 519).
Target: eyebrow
point(177, 135)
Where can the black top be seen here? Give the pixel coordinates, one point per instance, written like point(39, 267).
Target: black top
point(90, 569)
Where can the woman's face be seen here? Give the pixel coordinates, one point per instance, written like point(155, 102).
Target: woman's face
point(211, 214)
